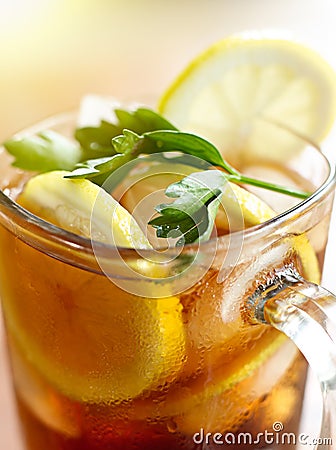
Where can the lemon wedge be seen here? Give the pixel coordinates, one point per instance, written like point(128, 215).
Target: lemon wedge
point(82, 207)
point(87, 337)
point(240, 209)
point(239, 90)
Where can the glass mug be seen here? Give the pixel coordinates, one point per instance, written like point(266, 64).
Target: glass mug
point(113, 349)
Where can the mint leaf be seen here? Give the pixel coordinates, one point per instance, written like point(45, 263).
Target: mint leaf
point(43, 152)
point(191, 216)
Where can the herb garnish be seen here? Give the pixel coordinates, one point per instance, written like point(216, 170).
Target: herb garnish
point(111, 145)
point(100, 150)
point(191, 216)
point(43, 152)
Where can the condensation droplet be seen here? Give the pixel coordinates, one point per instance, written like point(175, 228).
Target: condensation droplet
point(172, 426)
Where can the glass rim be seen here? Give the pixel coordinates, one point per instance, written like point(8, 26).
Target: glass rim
point(82, 244)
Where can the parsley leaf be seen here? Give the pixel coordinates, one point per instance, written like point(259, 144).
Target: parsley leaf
point(191, 144)
point(130, 145)
point(125, 150)
point(43, 152)
point(109, 146)
point(191, 216)
point(103, 148)
point(96, 142)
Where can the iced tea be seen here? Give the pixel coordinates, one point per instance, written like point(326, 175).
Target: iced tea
point(96, 367)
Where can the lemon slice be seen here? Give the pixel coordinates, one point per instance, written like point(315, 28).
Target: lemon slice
point(99, 344)
point(236, 92)
point(241, 209)
point(87, 337)
point(80, 206)
point(106, 345)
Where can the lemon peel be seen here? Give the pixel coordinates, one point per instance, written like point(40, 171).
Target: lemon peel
point(240, 89)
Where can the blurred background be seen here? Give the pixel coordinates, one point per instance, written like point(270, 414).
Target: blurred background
point(52, 52)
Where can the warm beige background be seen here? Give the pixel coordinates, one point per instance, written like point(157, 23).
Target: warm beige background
point(54, 51)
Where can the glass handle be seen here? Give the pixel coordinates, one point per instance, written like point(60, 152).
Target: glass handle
point(306, 313)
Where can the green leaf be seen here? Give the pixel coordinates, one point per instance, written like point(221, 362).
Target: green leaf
point(199, 184)
point(106, 148)
point(292, 192)
point(131, 145)
point(97, 141)
point(191, 144)
point(44, 152)
point(142, 120)
point(127, 143)
point(125, 150)
point(192, 215)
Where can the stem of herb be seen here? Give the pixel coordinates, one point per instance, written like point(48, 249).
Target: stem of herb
point(239, 178)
